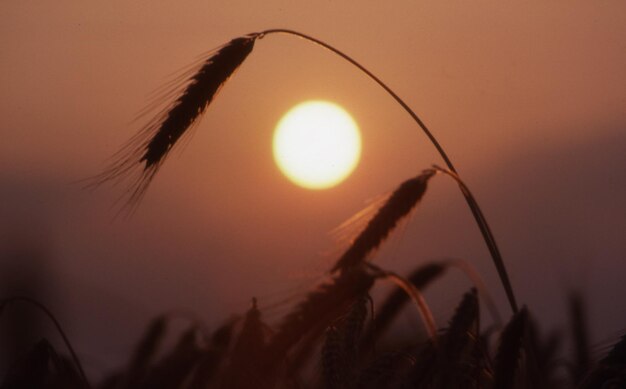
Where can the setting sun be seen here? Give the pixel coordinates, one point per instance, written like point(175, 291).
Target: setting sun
point(317, 144)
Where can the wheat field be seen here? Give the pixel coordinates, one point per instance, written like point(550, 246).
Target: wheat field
point(335, 336)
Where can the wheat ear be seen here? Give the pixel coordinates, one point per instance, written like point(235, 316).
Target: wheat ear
point(399, 204)
point(471, 202)
point(150, 147)
point(510, 351)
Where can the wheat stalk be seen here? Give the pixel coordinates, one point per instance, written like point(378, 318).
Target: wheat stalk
point(416, 296)
point(151, 146)
point(457, 346)
point(487, 235)
point(420, 278)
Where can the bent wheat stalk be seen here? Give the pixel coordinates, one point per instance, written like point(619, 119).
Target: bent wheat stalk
point(471, 202)
point(420, 278)
point(415, 295)
point(150, 147)
point(487, 235)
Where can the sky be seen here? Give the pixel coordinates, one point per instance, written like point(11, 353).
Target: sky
point(527, 99)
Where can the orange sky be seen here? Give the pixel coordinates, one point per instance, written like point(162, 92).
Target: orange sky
point(527, 98)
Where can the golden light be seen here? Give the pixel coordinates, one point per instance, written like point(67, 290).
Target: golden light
point(317, 144)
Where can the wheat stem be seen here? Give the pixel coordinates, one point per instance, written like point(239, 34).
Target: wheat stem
point(471, 202)
point(416, 296)
point(373, 77)
point(488, 235)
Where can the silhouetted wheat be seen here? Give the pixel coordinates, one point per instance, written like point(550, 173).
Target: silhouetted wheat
point(212, 358)
point(420, 278)
point(487, 235)
point(298, 333)
point(333, 360)
point(244, 370)
point(610, 372)
point(320, 308)
point(509, 351)
point(457, 360)
point(144, 353)
point(460, 360)
point(331, 319)
point(151, 145)
point(20, 299)
point(340, 357)
point(399, 204)
point(416, 296)
point(471, 273)
point(353, 325)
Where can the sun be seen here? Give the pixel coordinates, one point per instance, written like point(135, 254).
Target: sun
point(317, 144)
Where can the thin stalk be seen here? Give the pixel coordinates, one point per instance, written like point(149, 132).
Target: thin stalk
point(486, 231)
point(56, 323)
point(416, 296)
point(471, 202)
point(373, 77)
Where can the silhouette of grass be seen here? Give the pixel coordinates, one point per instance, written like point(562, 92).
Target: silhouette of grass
point(399, 204)
point(329, 328)
point(250, 354)
point(153, 143)
point(149, 148)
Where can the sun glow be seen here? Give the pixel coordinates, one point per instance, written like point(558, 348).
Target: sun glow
point(317, 144)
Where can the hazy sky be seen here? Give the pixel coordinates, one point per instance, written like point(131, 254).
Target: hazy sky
point(527, 98)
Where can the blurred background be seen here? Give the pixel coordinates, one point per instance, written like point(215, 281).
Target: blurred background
point(528, 100)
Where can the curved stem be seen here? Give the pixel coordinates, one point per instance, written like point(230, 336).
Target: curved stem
point(486, 231)
point(471, 202)
point(416, 296)
point(47, 312)
point(376, 79)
